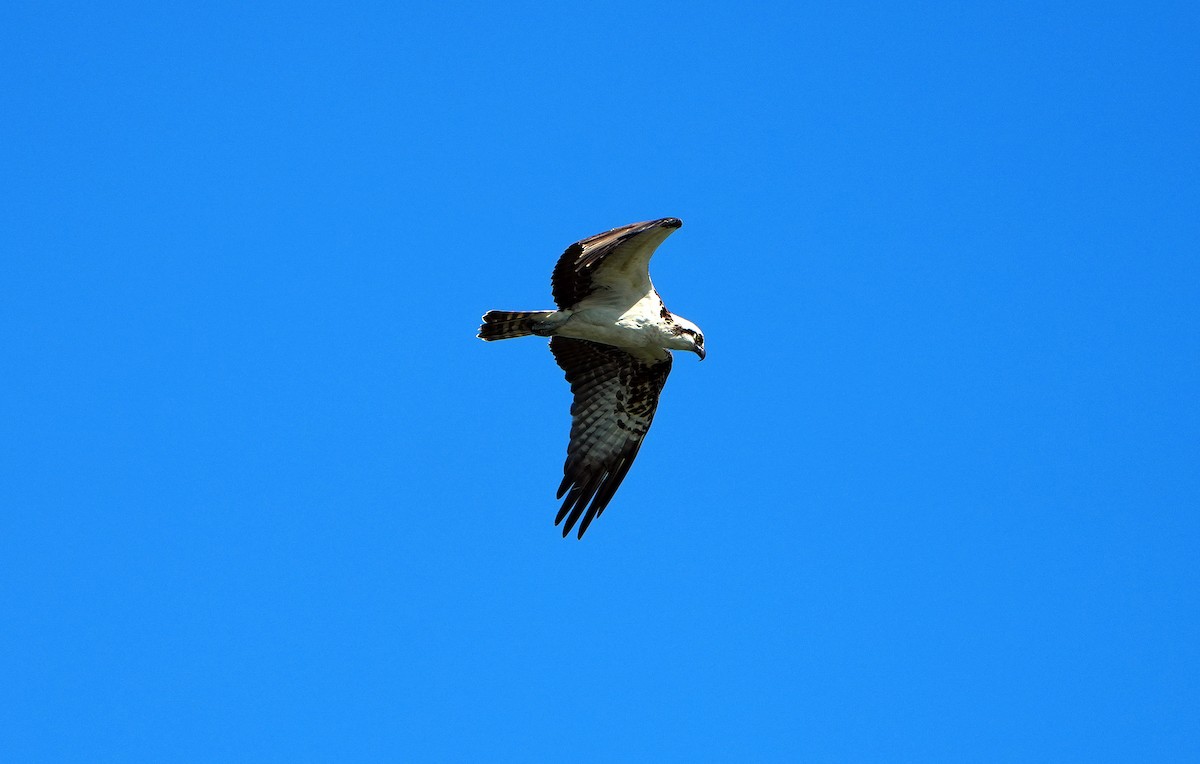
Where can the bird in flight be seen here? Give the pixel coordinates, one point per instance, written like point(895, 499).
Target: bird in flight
point(611, 335)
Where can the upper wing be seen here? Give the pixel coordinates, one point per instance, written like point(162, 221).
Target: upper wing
point(615, 398)
point(618, 259)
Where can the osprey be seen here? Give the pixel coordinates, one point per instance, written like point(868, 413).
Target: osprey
point(611, 335)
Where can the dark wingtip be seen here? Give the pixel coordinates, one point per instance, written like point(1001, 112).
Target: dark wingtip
point(587, 520)
point(670, 223)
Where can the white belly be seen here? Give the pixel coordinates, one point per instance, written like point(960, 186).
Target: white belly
point(610, 334)
point(632, 326)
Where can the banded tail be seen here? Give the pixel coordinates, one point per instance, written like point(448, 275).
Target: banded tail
point(506, 324)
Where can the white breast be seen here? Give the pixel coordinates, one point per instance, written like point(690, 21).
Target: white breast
point(601, 318)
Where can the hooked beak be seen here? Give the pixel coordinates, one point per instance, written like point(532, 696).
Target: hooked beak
point(700, 352)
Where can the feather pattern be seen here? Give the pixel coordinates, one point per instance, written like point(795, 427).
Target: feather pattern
point(616, 260)
point(615, 396)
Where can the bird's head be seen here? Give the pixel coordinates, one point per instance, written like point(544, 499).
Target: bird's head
point(691, 336)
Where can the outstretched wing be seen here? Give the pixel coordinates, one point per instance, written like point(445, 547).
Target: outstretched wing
point(615, 398)
point(618, 260)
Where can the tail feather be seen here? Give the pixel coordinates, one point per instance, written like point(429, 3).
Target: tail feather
point(506, 324)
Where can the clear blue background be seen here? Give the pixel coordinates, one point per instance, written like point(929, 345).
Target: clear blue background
point(933, 495)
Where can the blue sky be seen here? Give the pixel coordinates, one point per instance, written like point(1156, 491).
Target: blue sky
point(932, 496)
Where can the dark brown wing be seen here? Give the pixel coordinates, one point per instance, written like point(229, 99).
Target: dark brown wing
point(615, 398)
point(618, 259)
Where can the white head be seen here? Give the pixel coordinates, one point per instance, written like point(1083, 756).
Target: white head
point(687, 336)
